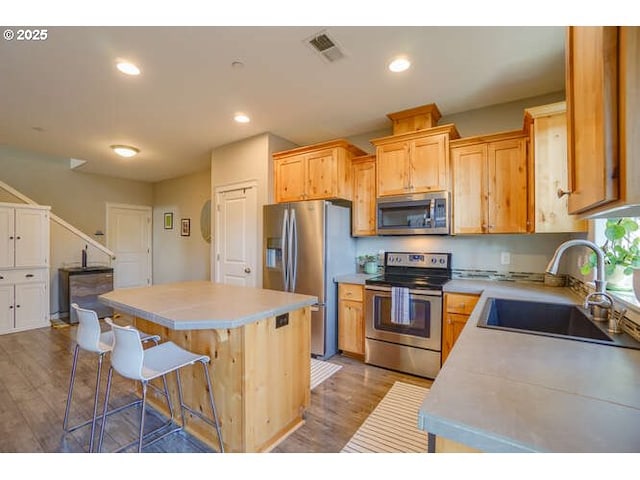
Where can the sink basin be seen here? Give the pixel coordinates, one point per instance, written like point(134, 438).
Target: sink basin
point(550, 319)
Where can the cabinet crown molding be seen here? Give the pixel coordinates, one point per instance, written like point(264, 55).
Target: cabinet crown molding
point(449, 128)
point(320, 146)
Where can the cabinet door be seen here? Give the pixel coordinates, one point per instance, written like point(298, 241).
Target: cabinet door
point(453, 325)
point(469, 188)
point(549, 146)
point(429, 164)
point(351, 327)
point(392, 168)
point(290, 174)
point(6, 308)
point(30, 306)
point(507, 200)
point(322, 181)
point(7, 242)
point(364, 198)
point(592, 99)
point(31, 238)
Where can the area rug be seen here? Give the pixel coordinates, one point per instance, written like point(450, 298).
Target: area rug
point(321, 370)
point(392, 427)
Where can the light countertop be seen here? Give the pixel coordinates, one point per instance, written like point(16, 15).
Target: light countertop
point(203, 305)
point(503, 391)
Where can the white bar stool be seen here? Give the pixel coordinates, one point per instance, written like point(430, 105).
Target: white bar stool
point(131, 361)
point(90, 339)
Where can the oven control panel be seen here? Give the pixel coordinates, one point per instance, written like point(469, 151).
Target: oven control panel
point(419, 260)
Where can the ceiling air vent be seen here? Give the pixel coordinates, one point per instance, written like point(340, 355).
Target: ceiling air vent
point(327, 48)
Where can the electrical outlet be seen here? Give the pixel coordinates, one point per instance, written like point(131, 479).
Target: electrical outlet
point(505, 258)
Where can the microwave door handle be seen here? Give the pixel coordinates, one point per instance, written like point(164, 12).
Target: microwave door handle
point(432, 213)
point(285, 250)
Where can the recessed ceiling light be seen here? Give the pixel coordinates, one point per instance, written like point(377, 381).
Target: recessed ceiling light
point(128, 68)
point(399, 64)
point(241, 118)
point(125, 150)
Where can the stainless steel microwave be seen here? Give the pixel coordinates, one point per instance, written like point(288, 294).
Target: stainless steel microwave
point(415, 214)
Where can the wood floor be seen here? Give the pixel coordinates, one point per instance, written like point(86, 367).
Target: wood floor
point(34, 377)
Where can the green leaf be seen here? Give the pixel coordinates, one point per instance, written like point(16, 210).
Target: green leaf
point(628, 271)
point(629, 224)
point(586, 269)
point(609, 269)
point(614, 232)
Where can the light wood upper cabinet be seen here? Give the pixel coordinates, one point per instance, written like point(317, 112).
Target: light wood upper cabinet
point(490, 184)
point(314, 172)
point(414, 162)
point(363, 213)
point(547, 127)
point(603, 100)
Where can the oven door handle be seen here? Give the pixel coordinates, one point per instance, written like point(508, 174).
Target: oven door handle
point(417, 293)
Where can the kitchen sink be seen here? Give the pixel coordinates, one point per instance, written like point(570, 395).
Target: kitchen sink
point(550, 319)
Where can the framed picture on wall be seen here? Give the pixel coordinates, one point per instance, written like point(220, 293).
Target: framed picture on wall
point(168, 221)
point(185, 227)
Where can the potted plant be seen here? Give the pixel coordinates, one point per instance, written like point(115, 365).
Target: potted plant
point(621, 253)
point(369, 263)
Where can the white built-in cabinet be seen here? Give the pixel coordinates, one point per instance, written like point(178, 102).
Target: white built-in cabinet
point(24, 267)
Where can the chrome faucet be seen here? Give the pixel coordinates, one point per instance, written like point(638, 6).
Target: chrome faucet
point(600, 308)
point(600, 282)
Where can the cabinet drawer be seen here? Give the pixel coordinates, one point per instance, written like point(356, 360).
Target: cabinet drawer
point(460, 303)
point(23, 276)
point(349, 291)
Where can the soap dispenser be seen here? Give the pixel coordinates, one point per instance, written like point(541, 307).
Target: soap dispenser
point(84, 257)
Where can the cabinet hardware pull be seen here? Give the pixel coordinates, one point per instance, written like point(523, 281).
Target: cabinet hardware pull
point(10, 238)
point(10, 307)
point(1, 277)
point(17, 306)
point(29, 275)
point(17, 238)
point(562, 193)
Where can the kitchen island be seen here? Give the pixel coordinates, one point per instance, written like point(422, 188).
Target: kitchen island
point(259, 344)
point(503, 391)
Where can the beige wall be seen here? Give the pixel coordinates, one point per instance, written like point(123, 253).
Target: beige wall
point(76, 197)
point(248, 160)
point(176, 257)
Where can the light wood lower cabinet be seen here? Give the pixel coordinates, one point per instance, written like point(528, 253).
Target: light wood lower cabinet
point(456, 310)
point(351, 319)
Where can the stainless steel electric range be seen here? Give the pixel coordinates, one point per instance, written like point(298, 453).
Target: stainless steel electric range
point(412, 284)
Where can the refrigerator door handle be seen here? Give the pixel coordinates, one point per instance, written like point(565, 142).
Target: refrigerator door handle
point(285, 250)
point(293, 250)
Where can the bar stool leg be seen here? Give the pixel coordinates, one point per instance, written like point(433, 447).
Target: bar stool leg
point(213, 405)
point(72, 379)
point(180, 397)
point(104, 409)
point(95, 402)
point(144, 404)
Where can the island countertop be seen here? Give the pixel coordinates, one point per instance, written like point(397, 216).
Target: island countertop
point(202, 305)
point(504, 391)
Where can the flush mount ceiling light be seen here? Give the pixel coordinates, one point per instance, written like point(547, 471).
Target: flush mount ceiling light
point(399, 64)
point(128, 68)
point(125, 150)
point(241, 118)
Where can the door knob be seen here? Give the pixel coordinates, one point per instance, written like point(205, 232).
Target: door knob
point(247, 270)
point(561, 193)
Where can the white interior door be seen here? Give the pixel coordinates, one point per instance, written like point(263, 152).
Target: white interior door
point(129, 237)
point(237, 235)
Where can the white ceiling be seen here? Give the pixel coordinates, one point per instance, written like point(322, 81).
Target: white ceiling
point(64, 97)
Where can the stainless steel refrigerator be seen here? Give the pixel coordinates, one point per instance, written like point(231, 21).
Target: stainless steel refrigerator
point(306, 244)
